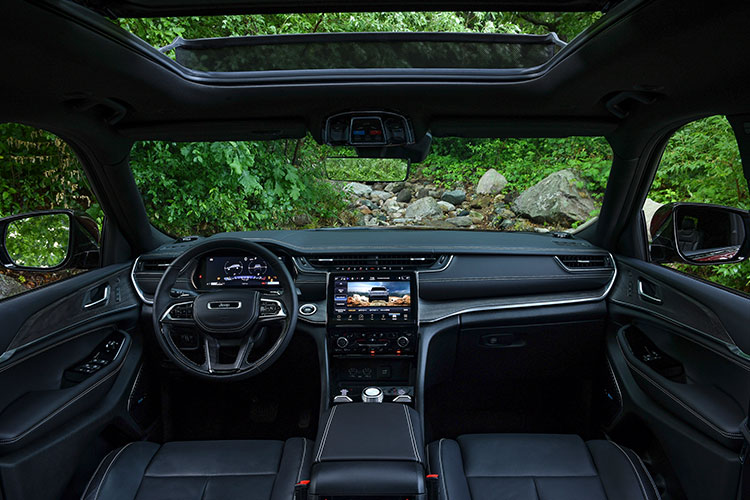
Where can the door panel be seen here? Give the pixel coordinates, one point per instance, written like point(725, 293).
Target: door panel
point(677, 346)
point(66, 373)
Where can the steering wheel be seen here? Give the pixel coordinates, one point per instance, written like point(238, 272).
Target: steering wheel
point(226, 321)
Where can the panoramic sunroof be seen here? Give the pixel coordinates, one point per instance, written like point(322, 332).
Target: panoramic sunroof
point(330, 51)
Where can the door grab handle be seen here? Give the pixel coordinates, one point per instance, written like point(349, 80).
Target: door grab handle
point(645, 296)
point(99, 301)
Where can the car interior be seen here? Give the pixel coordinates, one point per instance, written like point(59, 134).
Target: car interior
point(377, 363)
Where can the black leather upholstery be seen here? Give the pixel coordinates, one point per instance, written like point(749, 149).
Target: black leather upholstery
point(365, 431)
point(369, 449)
point(537, 467)
point(208, 470)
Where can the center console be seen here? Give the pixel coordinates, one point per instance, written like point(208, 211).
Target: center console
point(372, 334)
point(384, 463)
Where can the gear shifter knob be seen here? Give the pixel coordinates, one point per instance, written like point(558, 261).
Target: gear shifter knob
point(372, 395)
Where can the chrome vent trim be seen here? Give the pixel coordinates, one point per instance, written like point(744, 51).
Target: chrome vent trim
point(584, 263)
point(156, 265)
point(354, 262)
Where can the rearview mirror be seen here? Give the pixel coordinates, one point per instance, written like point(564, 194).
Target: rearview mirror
point(700, 234)
point(356, 169)
point(49, 241)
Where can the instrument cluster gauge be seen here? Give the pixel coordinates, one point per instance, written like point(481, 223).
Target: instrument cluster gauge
point(233, 267)
point(256, 266)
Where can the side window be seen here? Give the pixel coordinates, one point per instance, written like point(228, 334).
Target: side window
point(701, 164)
point(39, 172)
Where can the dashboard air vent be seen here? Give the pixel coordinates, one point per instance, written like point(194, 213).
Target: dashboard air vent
point(365, 262)
point(585, 262)
point(155, 265)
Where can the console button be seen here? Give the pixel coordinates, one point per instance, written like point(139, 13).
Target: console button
point(403, 341)
point(342, 342)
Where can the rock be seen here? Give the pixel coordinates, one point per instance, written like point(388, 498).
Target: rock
point(541, 230)
point(9, 286)
point(380, 195)
point(369, 204)
point(394, 187)
point(391, 205)
point(649, 209)
point(456, 196)
point(504, 213)
point(378, 186)
point(370, 220)
point(365, 211)
point(404, 196)
point(476, 217)
point(301, 220)
point(399, 220)
point(507, 224)
point(445, 206)
point(462, 213)
point(555, 199)
point(358, 189)
point(423, 207)
point(492, 182)
point(435, 193)
point(498, 199)
point(422, 192)
point(464, 221)
point(481, 202)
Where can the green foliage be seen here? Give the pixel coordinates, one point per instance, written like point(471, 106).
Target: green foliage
point(204, 188)
point(366, 169)
point(40, 241)
point(524, 162)
point(39, 171)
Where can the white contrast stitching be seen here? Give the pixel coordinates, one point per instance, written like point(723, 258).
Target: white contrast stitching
point(411, 433)
point(440, 463)
point(302, 462)
point(104, 476)
point(325, 434)
point(640, 482)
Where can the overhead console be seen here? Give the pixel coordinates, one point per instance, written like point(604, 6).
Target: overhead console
point(368, 128)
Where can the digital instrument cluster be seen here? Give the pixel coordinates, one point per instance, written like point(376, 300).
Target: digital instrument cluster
point(234, 271)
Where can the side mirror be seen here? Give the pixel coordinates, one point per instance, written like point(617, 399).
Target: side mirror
point(699, 234)
point(49, 240)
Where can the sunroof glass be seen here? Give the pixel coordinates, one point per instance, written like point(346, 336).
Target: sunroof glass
point(330, 51)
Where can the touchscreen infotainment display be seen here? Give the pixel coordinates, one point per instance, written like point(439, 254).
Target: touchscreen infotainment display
point(235, 271)
point(366, 298)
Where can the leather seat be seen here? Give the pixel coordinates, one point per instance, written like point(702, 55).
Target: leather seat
point(537, 467)
point(208, 470)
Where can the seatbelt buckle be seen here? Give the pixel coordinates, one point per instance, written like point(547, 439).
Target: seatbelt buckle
point(433, 485)
point(300, 490)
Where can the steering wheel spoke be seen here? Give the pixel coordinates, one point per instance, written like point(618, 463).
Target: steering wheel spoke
point(179, 312)
point(218, 351)
point(271, 310)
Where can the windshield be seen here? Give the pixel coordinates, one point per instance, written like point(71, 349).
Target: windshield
point(478, 184)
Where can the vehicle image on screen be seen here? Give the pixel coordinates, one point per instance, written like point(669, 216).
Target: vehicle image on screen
point(276, 250)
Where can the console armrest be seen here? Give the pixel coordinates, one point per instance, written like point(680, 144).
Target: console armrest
point(369, 450)
point(370, 431)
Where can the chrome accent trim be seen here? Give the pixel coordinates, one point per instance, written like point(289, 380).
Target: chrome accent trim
point(312, 270)
point(233, 304)
point(402, 398)
point(738, 352)
point(135, 285)
point(583, 269)
point(169, 310)
point(102, 300)
point(531, 304)
point(279, 315)
point(314, 309)
point(648, 298)
point(7, 355)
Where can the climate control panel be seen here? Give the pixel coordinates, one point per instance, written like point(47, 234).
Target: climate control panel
point(352, 342)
